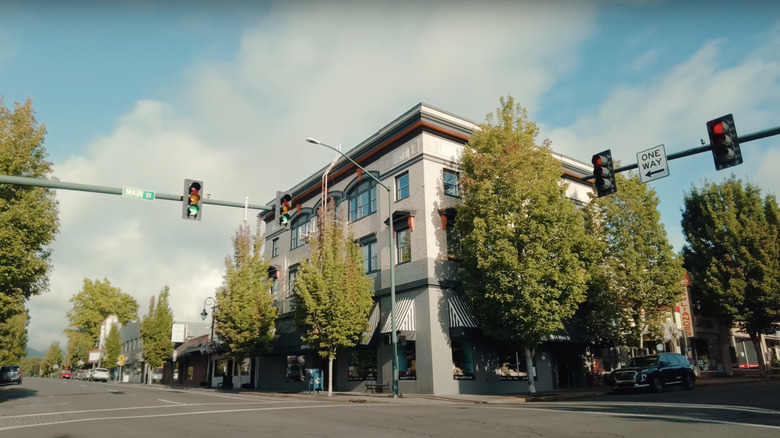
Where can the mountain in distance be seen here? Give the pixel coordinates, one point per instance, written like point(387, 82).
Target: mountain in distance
point(31, 352)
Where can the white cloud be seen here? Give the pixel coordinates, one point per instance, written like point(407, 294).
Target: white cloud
point(326, 70)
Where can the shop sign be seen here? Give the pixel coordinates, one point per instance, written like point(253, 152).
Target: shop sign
point(686, 316)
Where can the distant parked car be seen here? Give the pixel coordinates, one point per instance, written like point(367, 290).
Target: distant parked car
point(80, 375)
point(11, 374)
point(100, 375)
point(66, 374)
point(655, 371)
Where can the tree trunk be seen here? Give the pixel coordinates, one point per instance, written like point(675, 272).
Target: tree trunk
point(756, 338)
point(725, 343)
point(330, 375)
point(529, 365)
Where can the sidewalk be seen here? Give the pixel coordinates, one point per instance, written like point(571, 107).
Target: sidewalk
point(558, 395)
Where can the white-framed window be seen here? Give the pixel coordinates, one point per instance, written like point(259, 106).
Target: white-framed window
point(362, 201)
point(370, 256)
point(291, 280)
point(275, 247)
point(302, 227)
point(451, 183)
point(403, 245)
point(402, 186)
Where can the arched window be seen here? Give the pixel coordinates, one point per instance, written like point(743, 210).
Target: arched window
point(362, 201)
point(302, 226)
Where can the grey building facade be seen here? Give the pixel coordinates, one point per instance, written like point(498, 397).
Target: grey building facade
point(441, 349)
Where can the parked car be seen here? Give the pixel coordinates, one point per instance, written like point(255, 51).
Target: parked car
point(654, 372)
point(66, 374)
point(11, 374)
point(80, 375)
point(99, 375)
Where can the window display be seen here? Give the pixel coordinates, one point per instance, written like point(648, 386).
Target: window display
point(362, 364)
point(407, 361)
point(295, 368)
point(462, 359)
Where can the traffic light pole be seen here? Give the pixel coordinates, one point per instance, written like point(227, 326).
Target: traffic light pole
point(697, 150)
point(24, 181)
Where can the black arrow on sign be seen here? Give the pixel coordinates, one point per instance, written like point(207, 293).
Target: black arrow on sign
point(653, 172)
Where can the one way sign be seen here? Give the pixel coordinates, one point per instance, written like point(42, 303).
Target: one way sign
point(652, 164)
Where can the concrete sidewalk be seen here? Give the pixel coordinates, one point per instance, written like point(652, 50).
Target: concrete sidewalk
point(559, 395)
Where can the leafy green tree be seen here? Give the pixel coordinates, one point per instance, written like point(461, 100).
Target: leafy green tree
point(522, 238)
point(637, 281)
point(112, 348)
point(79, 346)
point(156, 330)
point(245, 314)
point(333, 295)
point(32, 366)
point(13, 332)
point(28, 215)
point(53, 357)
point(94, 303)
point(733, 256)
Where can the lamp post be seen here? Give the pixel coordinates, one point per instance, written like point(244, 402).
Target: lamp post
point(393, 334)
point(213, 303)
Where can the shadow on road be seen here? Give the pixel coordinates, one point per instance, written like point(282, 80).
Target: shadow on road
point(14, 391)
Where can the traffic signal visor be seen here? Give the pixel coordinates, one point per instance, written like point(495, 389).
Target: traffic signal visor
point(603, 171)
point(285, 205)
point(193, 199)
point(724, 142)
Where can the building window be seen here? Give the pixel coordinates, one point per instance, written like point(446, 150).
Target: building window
point(451, 183)
point(362, 201)
point(362, 364)
point(453, 238)
point(220, 367)
point(407, 360)
point(301, 228)
point(370, 256)
point(512, 366)
point(291, 280)
point(403, 244)
point(462, 359)
point(275, 247)
point(295, 368)
point(402, 186)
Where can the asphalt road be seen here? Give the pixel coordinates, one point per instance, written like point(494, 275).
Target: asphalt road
point(64, 408)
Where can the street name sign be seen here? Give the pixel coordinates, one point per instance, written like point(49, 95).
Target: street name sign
point(132, 192)
point(652, 164)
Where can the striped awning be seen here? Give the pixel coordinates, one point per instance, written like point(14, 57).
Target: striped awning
point(404, 314)
point(373, 323)
point(461, 314)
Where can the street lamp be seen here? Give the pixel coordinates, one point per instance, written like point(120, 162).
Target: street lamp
point(213, 303)
point(393, 334)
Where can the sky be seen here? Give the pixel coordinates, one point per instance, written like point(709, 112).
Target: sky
point(147, 93)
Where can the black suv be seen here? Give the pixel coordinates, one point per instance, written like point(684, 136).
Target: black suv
point(11, 374)
point(654, 372)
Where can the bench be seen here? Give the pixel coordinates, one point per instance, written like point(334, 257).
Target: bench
point(377, 387)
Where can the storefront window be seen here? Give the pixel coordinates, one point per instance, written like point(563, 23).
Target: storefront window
point(245, 366)
point(220, 367)
point(407, 361)
point(295, 368)
point(511, 366)
point(362, 364)
point(190, 372)
point(462, 359)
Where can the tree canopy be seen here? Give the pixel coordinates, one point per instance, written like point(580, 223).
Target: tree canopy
point(28, 215)
point(333, 296)
point(733, 255)
point(636, 275)
point(156, 330)
point(245, 314)
point(521, 237)
point(112, 348)
point(94, 303)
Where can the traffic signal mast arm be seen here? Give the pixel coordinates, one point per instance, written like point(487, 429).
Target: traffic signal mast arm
point(24, 181)
point(697, 150)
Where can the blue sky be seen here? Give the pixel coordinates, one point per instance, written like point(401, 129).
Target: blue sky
point(128, 90)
